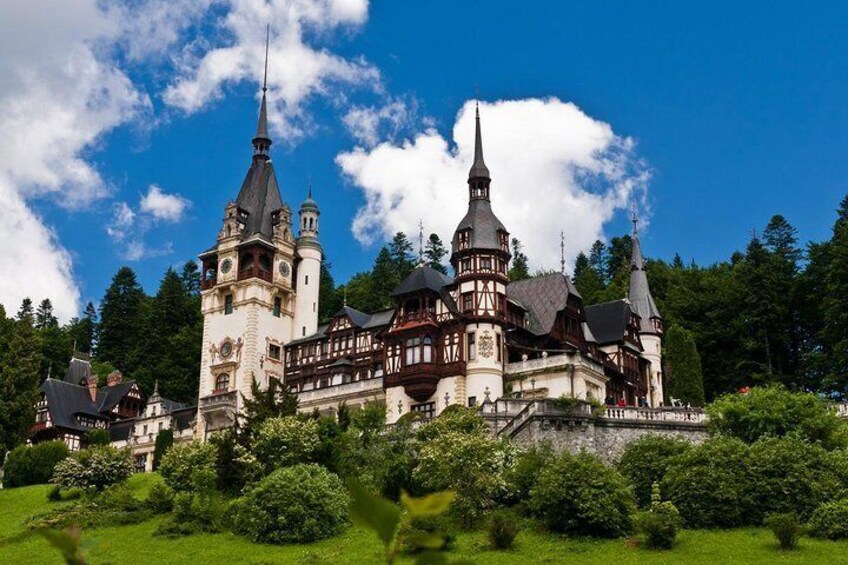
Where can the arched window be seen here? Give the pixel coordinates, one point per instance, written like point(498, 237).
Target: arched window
point(222, 382)
point(427, 352)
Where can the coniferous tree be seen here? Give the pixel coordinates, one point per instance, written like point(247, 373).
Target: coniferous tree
point(835, 303)
point(330, 298)
point(26, 311)
point(44, 317)
point(519, 269)
point(190, 277)
point(385, 276)
point(617, 261)
point(19, 379)
point(598, 256)
point(434, 253)
point(684, 380)
point(122, 323)
point(80, 331)
point(400, 250)
point(275, 401)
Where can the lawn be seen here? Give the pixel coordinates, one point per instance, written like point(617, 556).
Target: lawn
point(135, 544)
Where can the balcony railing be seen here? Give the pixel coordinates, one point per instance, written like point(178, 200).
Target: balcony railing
point(218, 400)
point(693, 415)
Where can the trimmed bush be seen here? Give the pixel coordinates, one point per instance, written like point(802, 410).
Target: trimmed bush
point(501, 529)
point(830, 520)
point(645, 462)
point(709, 484)
point(786, 529)
point(33, 465)
point(115, 505)
point(181, 461)
point(298, 504)
point(578, 494)
point(522, 475)
point(659, 525)
point(94, 468)
point(286, 441)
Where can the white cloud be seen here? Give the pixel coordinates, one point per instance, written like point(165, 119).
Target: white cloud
point(298, 69)
point(370, 125)
point(553, 168)
point(123, 219)
point(59, 95)
point(137, 249)
point(163, 206)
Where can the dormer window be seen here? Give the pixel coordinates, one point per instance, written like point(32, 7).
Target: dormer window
point(464, 239)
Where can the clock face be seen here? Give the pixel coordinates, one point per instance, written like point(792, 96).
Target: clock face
point(226, 265)
point(226, 349)
point(284, 268)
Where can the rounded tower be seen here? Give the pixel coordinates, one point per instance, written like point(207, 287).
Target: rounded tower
point(480, 258)
point(308, 272)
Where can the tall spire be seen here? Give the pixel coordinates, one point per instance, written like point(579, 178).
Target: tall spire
point(420, 243)
point(639, 293)
point(562, 251)
point(478, 169)
point(262, 141)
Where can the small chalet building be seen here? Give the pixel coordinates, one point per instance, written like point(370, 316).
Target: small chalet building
point(71, 407)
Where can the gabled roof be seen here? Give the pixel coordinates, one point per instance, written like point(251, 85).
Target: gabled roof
point(608, 321)
point(109, 396)
point(356, 317)
point(424, 277)
point(363, 321)
point(66, 400)
point(259, 196)
point(542, 297)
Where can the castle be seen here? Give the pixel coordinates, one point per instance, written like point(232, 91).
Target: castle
point(470, 340)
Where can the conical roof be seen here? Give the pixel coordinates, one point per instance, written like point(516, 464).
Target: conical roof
point(641, 300)
point(478, 168)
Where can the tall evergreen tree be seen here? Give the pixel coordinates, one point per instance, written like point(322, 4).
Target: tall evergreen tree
point(598, 256)
point(330, 298)
point(190, 277)
point(123, 323)
point(276, 400)
point(835, 302)
point(617, 261)
point(26, 311)
point(400, 250)
point(684, 379)
point(44, 317)
point(19, 380)
point(434, 253)
point(385, 276)
point(519, 269)
point(80, 331)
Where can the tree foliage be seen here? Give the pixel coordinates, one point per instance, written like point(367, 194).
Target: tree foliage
point(684, 379)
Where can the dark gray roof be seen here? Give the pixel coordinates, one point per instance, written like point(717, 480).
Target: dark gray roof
point(78, 371)
point(543, 297)
point(184, 416)
point(378, 319)
point(484, 226)
point(259, 197)
point(357, 318)
point(422, 278)
point(262, 125)
point(640, 293)
point(321, 332)
point(608, 321)
point(109, 396)
point(121, 431)
point(365, 322)
point(478, 168)
point(65, 400)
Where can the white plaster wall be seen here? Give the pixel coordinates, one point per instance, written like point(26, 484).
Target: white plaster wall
point(653, 353)
point(306, 302)
point(484, 372)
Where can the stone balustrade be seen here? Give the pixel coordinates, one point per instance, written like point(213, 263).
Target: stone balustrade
point(841, 409)
point(358, 388)
point(539, 364)
point(693, 415)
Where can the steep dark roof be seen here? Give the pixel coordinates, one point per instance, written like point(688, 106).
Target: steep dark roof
point(640, 293)
point(484, 226)
point(478, 168)
point(121, 431)
point(66, 400)
point(365, 321)
point(543, 297)
point(422, 278)
point(259, 197)
point(78, 371)
point(109, 396)
point(608, 321)
point(357, 318)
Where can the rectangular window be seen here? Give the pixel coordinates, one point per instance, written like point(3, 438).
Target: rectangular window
point(160, 426)
point(472, 345)
point(465, 265)
point(306, 279)
point(468, 302)
point(228, 304)
point(413, 351)
point(278, 306)
point(498, 346)
point(274, 351)
point(486, 263)
point(427, 408)
point(472, 401)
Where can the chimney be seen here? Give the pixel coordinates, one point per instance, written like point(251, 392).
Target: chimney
point(114, 378)
point(92, 387)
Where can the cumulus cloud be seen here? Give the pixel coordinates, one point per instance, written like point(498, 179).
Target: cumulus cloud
point(553, 168)
point(298, 68)
point(163, 206)
point(371, 124)
point(58, 96)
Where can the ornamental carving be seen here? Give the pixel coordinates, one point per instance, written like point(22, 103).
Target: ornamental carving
point(486, 347)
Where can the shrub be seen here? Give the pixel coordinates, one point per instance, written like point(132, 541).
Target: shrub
point(830, 520)
point(578, 494)
point(775, 411)
point(236, 466)
point(164, 441)
point(709, 485)
point(182, 460)
point(788, 475)
point(501, 529)
point(115, 505)
point(298, 504)
point(97, 436)
point(160, 499)
point(417, 528)
point(33, 465)
point(453, 419)
point(660, 524)
point(286, 441)
point(785, 528)
point(94, 468)
point(645, 462)
point(200, 510)
point(54, 494)
point(522, 475)
point(469, 464)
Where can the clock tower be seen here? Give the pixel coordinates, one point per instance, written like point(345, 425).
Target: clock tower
point(247, 292)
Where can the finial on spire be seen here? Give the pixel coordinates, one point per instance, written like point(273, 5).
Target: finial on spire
point(344, 297)
point(267, 42)
point(420, 243)
point(262, 141)
point(310, 189)
point(479, 168)
point(635, 219)
point(562, 251)
point(156, 387)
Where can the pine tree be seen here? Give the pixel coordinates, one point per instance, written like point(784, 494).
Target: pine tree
point(434, 253)
point(519, 269)
point(275, 401)
point(44, 316)
point(684, 379)
point(385, 276)
point(835, 302)
point(581, 263)
point(19, 380)
point(123, 323)
point(598, 256)
point(400, 250)
point(618, 257)
point(26, 311)
point(190, 276)
point(80, 331)
point(330, 298)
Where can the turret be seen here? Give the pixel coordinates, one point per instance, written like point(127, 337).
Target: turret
point(310, 254)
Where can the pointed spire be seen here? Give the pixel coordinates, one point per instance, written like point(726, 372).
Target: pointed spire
point(641, 300)
point(478, 169)
point(636, 259)
point(420, 243)
point(562, 251)
point(262, 141)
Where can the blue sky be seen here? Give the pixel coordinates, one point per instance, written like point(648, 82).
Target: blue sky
point(710, 119)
